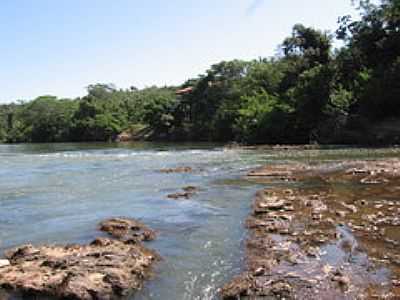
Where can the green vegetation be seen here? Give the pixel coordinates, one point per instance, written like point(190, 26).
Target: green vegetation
point(309, 92)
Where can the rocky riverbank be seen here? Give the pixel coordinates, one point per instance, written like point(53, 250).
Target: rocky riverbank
point(326, 231)
point(107, 268)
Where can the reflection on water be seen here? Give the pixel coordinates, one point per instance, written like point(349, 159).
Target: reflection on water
point(58, 193)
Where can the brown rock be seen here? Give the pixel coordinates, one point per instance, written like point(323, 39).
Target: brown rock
point(104, 269)
point(271, 171)
point(343, 280)
point(267, 202)
point(176, 196)
point(341, 213)
point(187, 193)
point(350, 207)
point(285, 252)
point(190, 189)
point(127, 229)
point(177, 170)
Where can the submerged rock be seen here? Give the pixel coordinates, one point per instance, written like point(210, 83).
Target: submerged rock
point(343, 280)
point(181, 195)
point(104, 269)
point(190, 189)
point(276, 172)
point(187, 193)
point(177, 170)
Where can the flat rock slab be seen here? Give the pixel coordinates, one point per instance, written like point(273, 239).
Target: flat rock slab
point(324, 240)
point(366, 172)
point(287, 172)
point(290, 266)
point(104, 269)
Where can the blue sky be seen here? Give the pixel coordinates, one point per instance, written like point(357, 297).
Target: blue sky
point(59, 47)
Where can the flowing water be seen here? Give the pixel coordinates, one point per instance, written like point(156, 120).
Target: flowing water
point(57, 193)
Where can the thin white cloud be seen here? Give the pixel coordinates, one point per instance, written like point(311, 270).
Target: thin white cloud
point(254, 5)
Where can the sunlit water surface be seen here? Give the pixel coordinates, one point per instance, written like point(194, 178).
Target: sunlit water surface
point(58, 193)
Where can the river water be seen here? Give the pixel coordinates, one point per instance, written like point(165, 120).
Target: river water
point(57, 193)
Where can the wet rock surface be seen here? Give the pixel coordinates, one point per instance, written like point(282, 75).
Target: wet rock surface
point(177, 170)
point(127, 230)
point(277, 172)
point(104, 269)
point(335, 236)
point(276, 147)
point(187, 193)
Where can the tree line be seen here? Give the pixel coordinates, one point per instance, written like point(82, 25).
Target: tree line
point(309, 92)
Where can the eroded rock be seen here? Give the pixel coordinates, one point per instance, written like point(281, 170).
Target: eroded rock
point(104, 269)
point(266, 201)
point(298, 237)
point(127, 229)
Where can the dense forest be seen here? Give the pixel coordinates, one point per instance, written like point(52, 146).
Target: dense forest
point(309, 92)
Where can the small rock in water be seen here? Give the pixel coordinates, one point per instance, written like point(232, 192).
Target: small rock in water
point(313, 251)
point(190, 189)
point(343, 280)
point(177, 170)
point(183, 195)
point(127, 229)
point(187, 193)
point(396, 282)
point(259, 271)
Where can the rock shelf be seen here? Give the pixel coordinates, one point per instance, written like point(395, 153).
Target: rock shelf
point(104, 269)
point(336, 237)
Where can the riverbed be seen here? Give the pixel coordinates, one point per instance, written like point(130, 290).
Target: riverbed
point(58, 193)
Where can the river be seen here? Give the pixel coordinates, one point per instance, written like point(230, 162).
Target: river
point(57, 193)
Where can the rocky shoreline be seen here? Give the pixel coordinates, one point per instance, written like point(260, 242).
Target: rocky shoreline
point(107, 268)
point(320, 231)
point(335, 236)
